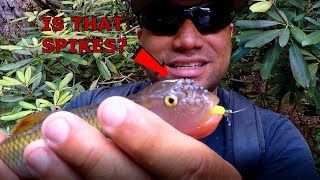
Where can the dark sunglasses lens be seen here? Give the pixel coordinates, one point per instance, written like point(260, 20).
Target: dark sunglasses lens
point(210, 19)
point(168, 25)
point(161, 20)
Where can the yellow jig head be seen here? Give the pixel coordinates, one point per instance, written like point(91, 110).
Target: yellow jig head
point(225, 112)
point(221, 110)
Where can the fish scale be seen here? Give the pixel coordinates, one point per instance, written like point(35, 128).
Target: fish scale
point(152, 98)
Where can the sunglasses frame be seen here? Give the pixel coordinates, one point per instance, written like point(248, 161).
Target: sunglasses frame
point(184, 12)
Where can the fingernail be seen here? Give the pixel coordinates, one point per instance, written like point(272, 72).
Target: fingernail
point(37, 160)
point(113, 113)
point(56, 131)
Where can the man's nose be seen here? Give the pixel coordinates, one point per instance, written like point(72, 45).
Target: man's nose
point(188, 37)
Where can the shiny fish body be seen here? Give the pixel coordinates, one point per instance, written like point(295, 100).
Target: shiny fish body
point(11, 150)
point(193, 108)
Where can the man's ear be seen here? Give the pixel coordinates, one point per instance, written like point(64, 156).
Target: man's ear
point(231, 29)
point(139, 33)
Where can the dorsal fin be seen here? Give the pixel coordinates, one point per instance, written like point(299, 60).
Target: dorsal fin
point(29, 121)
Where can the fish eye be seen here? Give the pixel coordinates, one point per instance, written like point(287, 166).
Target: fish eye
point(171, 101)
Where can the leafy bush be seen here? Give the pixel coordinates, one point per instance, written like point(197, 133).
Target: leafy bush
point(277, 45)
point(284, 36)
point(46, 81)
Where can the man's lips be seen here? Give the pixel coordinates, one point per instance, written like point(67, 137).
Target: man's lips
point(187, 67)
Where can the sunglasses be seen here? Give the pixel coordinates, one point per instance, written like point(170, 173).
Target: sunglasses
point(166, 19)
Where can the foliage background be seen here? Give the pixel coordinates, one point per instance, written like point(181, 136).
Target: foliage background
point(275, 61)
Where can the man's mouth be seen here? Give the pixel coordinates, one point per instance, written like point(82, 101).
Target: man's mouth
point(187, 69)
point(187, 65)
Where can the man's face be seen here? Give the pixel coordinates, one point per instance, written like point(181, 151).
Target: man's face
point(190, 54)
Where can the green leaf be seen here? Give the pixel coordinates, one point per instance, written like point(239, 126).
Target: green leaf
point(35, 81)
point(313, 38)
point(255, 23)
point(313, 68)
point(94, 84)
point(273, 14)
point(313, 21)
point(35, 41)
point(15, 116)
point(11, 98)
point(284, 37)
point(28, 14)
point(103, 69)
point(10, 81)
point(247, 36)
point(24, 42)
point(271, 59)
point(43, 12)
point(26, 105)
point(316, 5)
point(297, 3)
point(97, 55)
point(51, 85)
point(308, 55)
point(263, 39)
point(240, 53)
point(65, 80)
point(299, 17)
point(27, 74)
point(21, 76)
point(51, 56)
point(298, 34)
point(299, 66)
point(43, 101)
point(278, 15)
point(22, 52)
point(111, 66)
point(75, 58)
point(317, 97)
point(31, 18)
point(18, 19)
point(64, 98)
point(261, 6)
point(283, 15)
point(56, 96)
point(11, 47)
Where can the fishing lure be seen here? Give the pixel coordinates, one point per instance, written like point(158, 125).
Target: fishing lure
point(225, 112)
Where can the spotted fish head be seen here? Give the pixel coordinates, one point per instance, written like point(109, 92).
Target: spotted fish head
point(183, 104)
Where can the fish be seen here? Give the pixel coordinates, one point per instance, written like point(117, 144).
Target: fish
point(180, 102)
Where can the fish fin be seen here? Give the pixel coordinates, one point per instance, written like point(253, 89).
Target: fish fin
point(29, 121)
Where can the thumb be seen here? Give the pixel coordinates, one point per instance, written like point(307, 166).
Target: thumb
point(152, 143)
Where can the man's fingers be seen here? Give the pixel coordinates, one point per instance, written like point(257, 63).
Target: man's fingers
point(154, 144)
point(3, 136)
point(86, 150)
point(5, 172)
point(43, 163)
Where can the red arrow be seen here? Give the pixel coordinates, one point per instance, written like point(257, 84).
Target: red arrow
point(145, 59)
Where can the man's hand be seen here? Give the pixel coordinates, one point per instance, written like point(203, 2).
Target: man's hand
point(141, 146)
point(5, 171)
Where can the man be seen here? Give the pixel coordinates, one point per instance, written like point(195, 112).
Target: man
point(193, 38)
